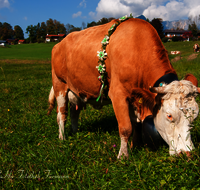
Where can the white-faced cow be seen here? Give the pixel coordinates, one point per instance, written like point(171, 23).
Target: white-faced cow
point(141, 82)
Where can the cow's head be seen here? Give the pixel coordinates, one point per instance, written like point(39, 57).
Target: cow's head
point(174, 112)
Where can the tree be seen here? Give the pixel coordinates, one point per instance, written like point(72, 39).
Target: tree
point(6, 31)
point(91, 24)
point(32, 31)
point(102, 21)
point(195, 20)
point(55, 27)
point(83, 25)
point(157, 24)
point(62, 29)
point(19, 34)
point(39, 37)
point(43, 30)
point(187, 35)
point(75, 29)
point(110, 19)
point(193, 28)
point(50, 26)
point(70, 28)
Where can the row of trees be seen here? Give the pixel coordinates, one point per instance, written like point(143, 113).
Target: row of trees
point(7, 32)
point(37, 33)
point(194, 22)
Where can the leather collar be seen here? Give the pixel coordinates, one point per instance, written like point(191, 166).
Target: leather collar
point(168, 78)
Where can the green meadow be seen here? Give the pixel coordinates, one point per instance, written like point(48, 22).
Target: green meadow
point(32, 156)
point(33, 51)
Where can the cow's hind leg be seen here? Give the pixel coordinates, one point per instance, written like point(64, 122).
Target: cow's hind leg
point(62, 105)
point(75, 108)
point(74, 115)
point(60, 91)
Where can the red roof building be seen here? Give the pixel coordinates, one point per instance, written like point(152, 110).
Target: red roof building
point(53, 37)
point(21, 41)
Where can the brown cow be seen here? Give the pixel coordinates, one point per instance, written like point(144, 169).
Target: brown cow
point(136, 61)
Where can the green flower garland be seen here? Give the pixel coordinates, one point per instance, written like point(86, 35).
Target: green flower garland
point(102, 55)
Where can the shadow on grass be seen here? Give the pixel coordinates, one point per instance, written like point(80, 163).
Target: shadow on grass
point(107, 124)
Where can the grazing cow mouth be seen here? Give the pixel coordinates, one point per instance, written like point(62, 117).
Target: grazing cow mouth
point(151, 136)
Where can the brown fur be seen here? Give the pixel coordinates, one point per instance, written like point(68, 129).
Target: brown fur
point(136, 60)
point(192, 79)
point(144, 101)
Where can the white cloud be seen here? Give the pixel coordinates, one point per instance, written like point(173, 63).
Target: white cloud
point(172, 10)
point(165, 9)
point(83, 4)
point(111, 8)
point(195, 11)
point(4, 4)
point(75, 15)
point(25, 18)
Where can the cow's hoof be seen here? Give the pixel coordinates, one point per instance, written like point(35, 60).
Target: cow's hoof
point(122, 156)
point(61, 138)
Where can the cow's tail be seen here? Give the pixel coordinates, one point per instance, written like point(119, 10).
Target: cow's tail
point(52, 100)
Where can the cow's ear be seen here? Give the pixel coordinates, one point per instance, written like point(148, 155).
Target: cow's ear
point(192, 79)
point(158, 104)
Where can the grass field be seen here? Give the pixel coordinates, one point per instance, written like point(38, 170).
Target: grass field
point(32, 156)
point(27, 51)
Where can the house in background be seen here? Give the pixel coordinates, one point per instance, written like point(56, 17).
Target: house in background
point(54, 37)
point(3, 43)
point(21, 41)
point(178, 33)
point(172, 33)
point(12, 41)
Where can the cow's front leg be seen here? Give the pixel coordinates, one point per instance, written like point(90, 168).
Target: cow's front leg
point(121, 109)
point(136, 127)
point(62, 103)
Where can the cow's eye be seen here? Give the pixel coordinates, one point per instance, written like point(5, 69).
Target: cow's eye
point(169, 116)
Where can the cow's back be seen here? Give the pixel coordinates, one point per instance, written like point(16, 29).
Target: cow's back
point(135, 54)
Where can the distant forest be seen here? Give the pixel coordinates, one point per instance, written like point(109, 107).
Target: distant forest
point(37, 33)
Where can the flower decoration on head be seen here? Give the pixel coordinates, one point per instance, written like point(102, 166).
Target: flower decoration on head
point(112, 27)
point(101, 68)
point(101, 54)
point(105, 40)
point(123, 18)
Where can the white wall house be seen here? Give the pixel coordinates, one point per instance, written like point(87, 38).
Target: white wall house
point(2, 43)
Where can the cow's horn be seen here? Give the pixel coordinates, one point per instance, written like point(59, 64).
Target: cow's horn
point(160, 90)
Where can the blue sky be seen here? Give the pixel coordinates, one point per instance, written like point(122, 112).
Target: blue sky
point(29, 12)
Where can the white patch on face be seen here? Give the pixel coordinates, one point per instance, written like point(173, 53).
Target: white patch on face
point(173, 123)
